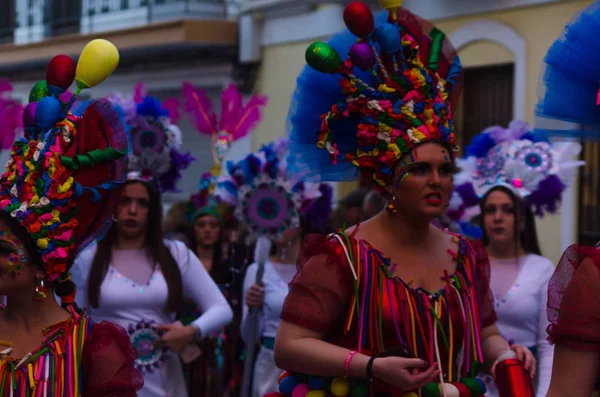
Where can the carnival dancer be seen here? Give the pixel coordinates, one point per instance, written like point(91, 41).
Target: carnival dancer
point(570, 76)
point(56, 198)
point(395, 304)
point(283, 208)
point(135, 278)
point(511, 175)
point(218, 372)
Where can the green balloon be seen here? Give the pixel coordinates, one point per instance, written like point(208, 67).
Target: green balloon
point(324, 58)
point(39, 90)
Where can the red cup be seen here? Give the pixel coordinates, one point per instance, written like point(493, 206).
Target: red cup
point(512, 379)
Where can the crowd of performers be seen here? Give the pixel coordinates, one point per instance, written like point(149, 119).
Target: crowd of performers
point(428, 283)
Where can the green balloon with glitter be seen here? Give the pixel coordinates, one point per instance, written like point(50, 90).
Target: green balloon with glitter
point(323, 57)
point(39, 91)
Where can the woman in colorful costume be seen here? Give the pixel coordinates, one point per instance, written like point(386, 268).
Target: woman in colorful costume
point(510, 175)
point(219, 370)
point(394, 305)
point(135, 278)
point(570, 94)
point(55, 199)
point(281, 207)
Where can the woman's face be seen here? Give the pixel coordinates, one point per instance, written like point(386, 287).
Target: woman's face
point(207, 230)
point(133, 210)
point(499, 217)
point(17, 275)
point(422, 181)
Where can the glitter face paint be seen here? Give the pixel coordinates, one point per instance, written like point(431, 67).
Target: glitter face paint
point(13, 248)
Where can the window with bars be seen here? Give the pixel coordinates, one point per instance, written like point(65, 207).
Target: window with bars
point(65, 17)
point(589, 195)
point(7, 21)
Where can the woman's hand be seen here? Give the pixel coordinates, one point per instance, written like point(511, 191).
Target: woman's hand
point(402, 372)
point(176, 336)
point(524, 355)
point(255, 296)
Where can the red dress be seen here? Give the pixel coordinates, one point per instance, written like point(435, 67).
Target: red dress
point(77, 358)
point(358, 305)
point(573, 304)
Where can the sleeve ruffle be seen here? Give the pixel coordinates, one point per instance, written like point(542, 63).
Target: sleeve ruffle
point(108, 363)
point(321, 290)
point(573, 291)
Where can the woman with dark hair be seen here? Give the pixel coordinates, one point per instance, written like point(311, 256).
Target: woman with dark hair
point(299, 208)
point(393, 306)
point(136, 279)
point(514, 174)
point(55, 198)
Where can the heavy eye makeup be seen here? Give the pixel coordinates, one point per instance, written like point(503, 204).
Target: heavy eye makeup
point(7, 248)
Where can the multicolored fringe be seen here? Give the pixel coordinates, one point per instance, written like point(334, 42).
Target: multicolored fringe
point(55, 368)
point(418, 315)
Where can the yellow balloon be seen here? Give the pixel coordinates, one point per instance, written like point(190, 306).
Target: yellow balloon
point(97, 61)
point(340, 387)
point(316, 393)
point(390, 4)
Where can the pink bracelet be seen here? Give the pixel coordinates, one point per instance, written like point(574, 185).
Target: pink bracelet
point(347, 362)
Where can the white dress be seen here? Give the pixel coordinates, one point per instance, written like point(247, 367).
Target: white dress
point(523, 319)
point(276, 279)
point(138, 308)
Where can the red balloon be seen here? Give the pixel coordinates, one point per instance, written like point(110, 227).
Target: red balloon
point(359, 19)
point(61, 72)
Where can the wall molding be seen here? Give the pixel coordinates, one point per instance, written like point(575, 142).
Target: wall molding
point(506, 36)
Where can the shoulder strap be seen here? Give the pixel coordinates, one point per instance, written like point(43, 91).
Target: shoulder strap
point(345, 248)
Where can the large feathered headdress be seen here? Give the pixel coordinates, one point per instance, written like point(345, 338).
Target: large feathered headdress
point(156, 141)
point(236, 121)
point(535, 170)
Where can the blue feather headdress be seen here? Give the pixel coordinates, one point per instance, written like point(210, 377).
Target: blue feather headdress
point(266, 197)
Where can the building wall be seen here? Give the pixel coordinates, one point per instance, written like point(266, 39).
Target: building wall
point(538, 25)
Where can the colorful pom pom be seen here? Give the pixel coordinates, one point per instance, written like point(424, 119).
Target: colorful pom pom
point(301, 390)
point(287, 384)
point(340, 387)
point(317, 382)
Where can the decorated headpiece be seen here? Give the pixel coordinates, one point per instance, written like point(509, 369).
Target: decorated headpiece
point(569, 97)
point(266, 198)
point(156, 142)
point(236, 121)
point(399, 88)
point(535, 170)
point(58, 177)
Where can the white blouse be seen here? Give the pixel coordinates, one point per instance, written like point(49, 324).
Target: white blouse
point(522, 314)
point(139, 307)
point(276, 279)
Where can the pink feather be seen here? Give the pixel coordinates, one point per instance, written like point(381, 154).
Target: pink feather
point(231, 106)
point(248, 117)
point(11, 114)
point(172, 106)
point(139, 93)
point(199, 108)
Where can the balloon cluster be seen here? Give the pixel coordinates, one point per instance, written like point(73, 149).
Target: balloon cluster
point(97, 61)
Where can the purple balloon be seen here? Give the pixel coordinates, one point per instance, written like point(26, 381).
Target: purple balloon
point(362, 55)
point(29, 115)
